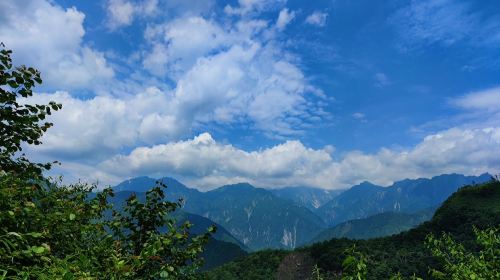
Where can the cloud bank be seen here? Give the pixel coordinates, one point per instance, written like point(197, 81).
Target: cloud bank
point(206, 163)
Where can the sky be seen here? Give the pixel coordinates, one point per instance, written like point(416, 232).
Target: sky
point(276, 93)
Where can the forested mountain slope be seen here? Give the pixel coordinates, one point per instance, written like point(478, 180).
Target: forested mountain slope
point(255, 216)
point(378, 225)
point(471, 206)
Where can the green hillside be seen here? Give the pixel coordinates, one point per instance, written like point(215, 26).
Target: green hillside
point(218, 252)
point(383, 224)
point(477, 205)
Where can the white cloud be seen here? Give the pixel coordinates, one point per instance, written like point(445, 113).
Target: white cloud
point(245, 83)
point(488, 100)
point(205, 163)
point(444, 22)
point(242, 85)
point(284, 18)
point(120, 13)
point(252, 6)
point(317, 18)
point(183, 41)
point(202, 162)
point(49, 38)
point(231, 74)
point(204, 158)
point(223, 74)
point(99, 127)
point(156, 60)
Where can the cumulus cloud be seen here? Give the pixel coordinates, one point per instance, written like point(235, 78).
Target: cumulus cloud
point(233, 87)
point(284, 18)
point(228, 73)
point(49, 37)
point(102, 126)
point(317, 18)
point(205, 163)
point(232, 74)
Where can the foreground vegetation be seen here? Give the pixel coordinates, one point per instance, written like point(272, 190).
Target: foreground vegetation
point(53, 231)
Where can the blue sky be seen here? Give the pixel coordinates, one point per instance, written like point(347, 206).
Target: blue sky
point(277, 93)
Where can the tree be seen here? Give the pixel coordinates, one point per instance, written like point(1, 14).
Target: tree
point(19, 122)
point(149, 253)
point(462, 263)
point(354, 265)
point(53, 231)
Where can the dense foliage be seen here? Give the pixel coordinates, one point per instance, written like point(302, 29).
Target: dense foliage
point(259, 266)
point(20, 123)
point(52, 231)
point(458, 262)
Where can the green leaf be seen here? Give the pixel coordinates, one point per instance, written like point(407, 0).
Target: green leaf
point(72, 216)
point(38, 249)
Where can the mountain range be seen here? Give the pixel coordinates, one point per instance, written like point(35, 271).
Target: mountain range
point(312, 198)
point(407, 196)
point(406, 254)
point(257, 218)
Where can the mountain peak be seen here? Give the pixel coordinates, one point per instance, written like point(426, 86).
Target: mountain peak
point(244, 186)
point(365, 186)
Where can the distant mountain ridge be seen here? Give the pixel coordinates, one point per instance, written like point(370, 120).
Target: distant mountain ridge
point(312, 198)
point(407, 196)
point(255, 216)
point(286, 218)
